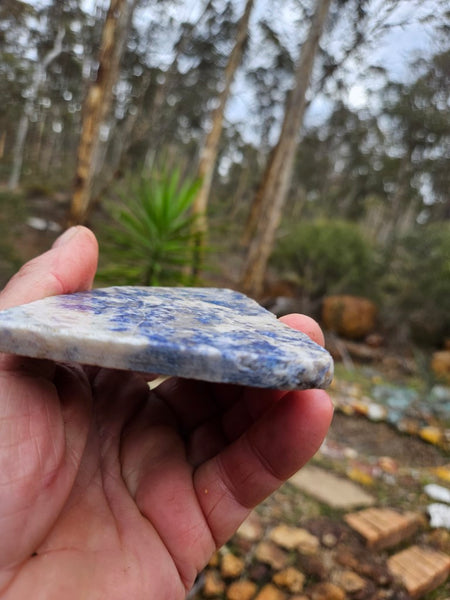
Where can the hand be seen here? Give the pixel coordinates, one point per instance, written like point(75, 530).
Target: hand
point(110, 491)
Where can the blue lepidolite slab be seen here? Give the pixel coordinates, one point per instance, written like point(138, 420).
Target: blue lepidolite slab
point(202, 333)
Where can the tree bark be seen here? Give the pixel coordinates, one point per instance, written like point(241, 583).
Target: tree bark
point(98, 102)
point(208, 154)
point(22, 129)
point(271, 194)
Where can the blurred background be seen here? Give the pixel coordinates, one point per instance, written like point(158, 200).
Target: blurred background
point(296, 150)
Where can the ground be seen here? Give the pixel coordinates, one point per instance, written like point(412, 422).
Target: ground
point(381, 447)
point(393, 468)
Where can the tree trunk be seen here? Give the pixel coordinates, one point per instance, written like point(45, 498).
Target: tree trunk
point(271, 195)
point(208, 154)
point(22, 130)
point(98, 102)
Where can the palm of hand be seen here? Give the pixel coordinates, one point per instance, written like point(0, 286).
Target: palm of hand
point(112, 491)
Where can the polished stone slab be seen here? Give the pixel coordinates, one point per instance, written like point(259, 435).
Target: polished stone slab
point(210, 334)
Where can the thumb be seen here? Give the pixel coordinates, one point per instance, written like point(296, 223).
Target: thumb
point(68, 267)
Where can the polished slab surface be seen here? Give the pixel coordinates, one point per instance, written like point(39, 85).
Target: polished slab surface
point(211, 334)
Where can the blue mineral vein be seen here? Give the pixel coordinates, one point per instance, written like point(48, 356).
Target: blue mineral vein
point(211, 334)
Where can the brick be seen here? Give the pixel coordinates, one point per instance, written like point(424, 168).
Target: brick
point(383, 527)
point(420, 570)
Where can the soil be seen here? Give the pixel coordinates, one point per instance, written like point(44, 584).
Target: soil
point(379, 439)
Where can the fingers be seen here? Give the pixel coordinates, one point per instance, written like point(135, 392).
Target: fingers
point(305, 324)
point(68, 267)
point(279, 443)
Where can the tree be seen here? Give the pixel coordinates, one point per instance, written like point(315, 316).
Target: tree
point(209, 151)
point(97, 103)
point(272, 192)
point(22, 129)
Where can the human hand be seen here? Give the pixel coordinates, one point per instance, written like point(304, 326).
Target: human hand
point(112, 491)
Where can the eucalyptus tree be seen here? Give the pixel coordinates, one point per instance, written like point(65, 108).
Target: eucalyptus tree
point(272, 192)
point(98, 101)
point(210, 147)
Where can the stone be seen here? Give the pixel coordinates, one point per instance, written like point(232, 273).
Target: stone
point(203, 333)
point(328, 488)
point(231, 566)
point(433, 435)
point(440, 365)
point(360, 475)
point(251, 529)
point(270, 592)
point(313, 566)
point(383, 527)
point(291, 578)
point(351, 317)
point(329, 540)
point(437, 492)
point(294, 537)
point(214, 561)
point(350, 582)
point(421, 570)
point(213, 585)
point(439, 515)
point(327, 591)
point(241, 590)
point(268, 553)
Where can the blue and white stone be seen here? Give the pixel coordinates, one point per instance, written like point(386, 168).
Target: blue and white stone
point(202, 333)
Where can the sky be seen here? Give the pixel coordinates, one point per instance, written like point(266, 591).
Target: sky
point(393, 50)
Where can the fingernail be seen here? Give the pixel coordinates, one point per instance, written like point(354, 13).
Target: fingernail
point(65, 237)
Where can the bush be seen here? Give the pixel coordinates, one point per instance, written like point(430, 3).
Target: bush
point(150, 242)
point(417, 286)
point(328, 257)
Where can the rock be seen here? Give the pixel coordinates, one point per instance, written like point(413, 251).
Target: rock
point(251, 529)
point(231, 566)
point(308, 544)
point(241, 590)
point(350, 582)
point(439, 515)
point(327, 591)
point(361, 476)
point(269, 553)
point(328, 488)
point(376, 412)
point(259, 572)
point(313, 566)
point(213, 585)
point(437, 492)
point(440, 365)
point(270, 592)
point(293, 537)
point(214, 561)
point(110, 327)
point(291, 578)
point(349, 316)
point(329, 540)
point(432, 434)
point(388, 464)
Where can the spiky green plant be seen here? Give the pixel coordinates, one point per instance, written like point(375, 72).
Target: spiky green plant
point(151, 240)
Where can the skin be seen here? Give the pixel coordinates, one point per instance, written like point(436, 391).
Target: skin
point(108, 490)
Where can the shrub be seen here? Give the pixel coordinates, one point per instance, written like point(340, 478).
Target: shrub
point(328, 257)
point(417, 286)
point(150, 242)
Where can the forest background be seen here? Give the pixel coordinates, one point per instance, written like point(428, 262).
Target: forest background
point(294, 147)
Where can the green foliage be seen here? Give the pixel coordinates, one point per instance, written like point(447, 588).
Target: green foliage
point(150, 242)
point(328, 257)
point(12, 213)
point(417, 285)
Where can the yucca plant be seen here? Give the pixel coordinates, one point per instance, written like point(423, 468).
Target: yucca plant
point(151, 241)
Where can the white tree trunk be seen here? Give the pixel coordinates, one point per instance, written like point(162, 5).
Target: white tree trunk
point(22, 130)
